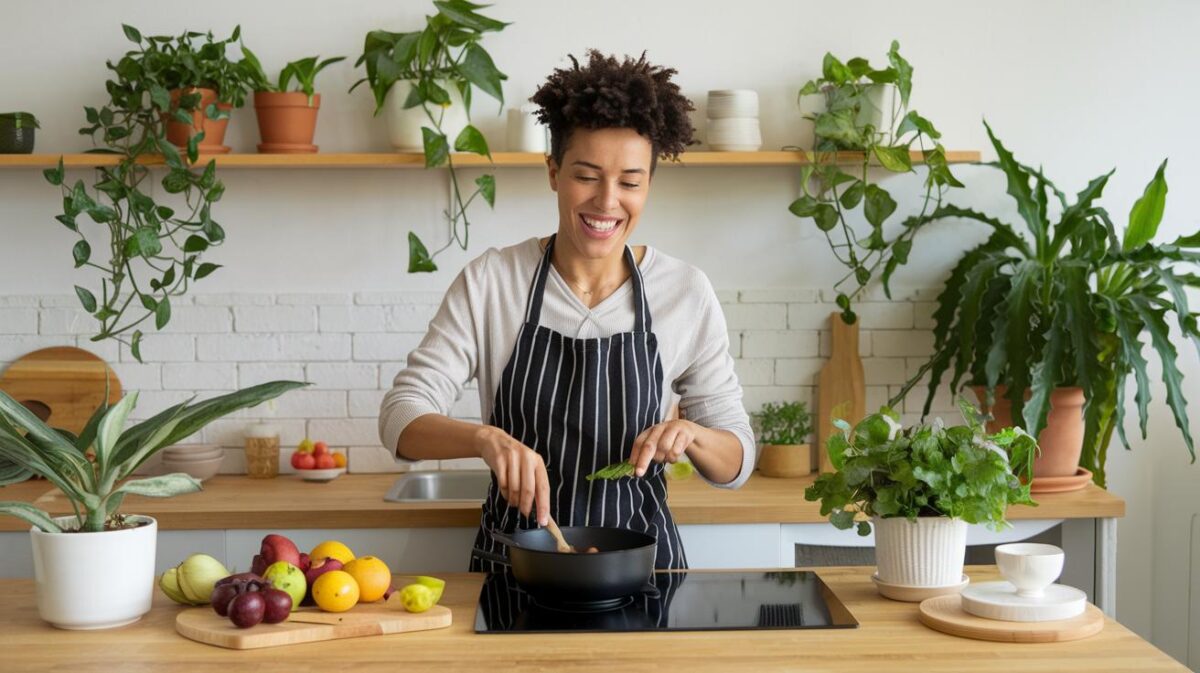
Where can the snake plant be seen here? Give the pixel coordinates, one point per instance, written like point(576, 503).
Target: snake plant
point(1065, 304)
point(93, 485)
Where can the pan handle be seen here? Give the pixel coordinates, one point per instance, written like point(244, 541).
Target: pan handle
point(491, 556)
point(503, 538)
point(650, 590)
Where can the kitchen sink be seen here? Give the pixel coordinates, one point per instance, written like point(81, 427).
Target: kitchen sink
point(440, 486)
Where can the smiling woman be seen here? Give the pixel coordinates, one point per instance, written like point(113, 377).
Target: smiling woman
point(579, 341)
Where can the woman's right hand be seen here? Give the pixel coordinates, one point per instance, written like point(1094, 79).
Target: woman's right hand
point(520, 471)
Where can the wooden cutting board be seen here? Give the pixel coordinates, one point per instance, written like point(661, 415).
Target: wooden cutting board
point(372, 619)
point(945, 614)
point(66, 381)
point(841, 389)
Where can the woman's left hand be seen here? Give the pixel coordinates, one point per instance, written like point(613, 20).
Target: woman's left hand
point(662, 443)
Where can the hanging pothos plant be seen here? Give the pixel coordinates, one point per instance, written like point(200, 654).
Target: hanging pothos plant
point(447, 50)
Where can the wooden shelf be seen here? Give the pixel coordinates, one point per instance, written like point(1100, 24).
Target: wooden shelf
point(417, 160)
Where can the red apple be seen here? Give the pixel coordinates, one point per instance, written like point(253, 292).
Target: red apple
point(303, 461)
point(305, 562)
point(325, 462)
point(279, 548)
point(318, 567)
point(296, 459)
point(320, 449)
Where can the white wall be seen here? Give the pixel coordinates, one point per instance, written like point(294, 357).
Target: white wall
point(1078, 87)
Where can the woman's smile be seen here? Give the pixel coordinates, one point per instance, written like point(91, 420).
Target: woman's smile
point(599, 226)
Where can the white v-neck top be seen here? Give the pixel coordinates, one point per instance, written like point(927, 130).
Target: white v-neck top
point(473, 334)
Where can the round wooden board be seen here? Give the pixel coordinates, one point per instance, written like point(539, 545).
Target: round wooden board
point(68, 380)
point(945, 614)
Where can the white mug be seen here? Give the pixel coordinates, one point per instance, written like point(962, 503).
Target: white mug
point(525, 132)
point(1029, 566)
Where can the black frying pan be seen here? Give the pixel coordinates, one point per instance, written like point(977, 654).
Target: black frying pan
point(623, 566)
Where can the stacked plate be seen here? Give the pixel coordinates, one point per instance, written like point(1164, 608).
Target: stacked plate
point(733, 121)
point(201, 461)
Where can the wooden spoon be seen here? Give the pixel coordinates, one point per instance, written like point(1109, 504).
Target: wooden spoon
point(558, 537)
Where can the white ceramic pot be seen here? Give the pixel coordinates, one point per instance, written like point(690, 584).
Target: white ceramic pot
point(94, 580)
point(404, 126)
point(925, 553)
point(881, 103)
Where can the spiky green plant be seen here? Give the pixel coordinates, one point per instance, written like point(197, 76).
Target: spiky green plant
point(30, 447)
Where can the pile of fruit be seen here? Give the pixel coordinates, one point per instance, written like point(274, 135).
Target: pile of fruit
point(310, 455)
point(281, 577)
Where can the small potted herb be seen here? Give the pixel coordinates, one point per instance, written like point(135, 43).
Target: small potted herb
point(783, 431)
point(287, 119)
point(16, 132)
point(919, 488)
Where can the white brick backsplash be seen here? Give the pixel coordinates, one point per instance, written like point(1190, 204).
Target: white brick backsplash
point(392, 298)
point(798, 371)
point(378, 459)
point(231, 432)
point(467, 405)
point(200, 320)
point(756, 372)
point(19, 301)
point(410, 317)
point(230, 299)
point(727, 296)
point(308, 403)
point(365, 403)
point(778, 295)
point(237, 348)
point(150, 402)
point(353, 319)
point(810, 316)
point(108, 350)
point(877, 396)
point(883, 371)
point(345, 431)
point(60, 301)
point(314, 299)
point(754, 397)
point(199, 375)
point(135, 376)
point(250, 374)
point(900, 343)
point(274, 319)
point(864, 343)
point(70, 321)
point(307, 347)
point(923, 314)
point(756, 316)
point(391, 347)
point(897, 315)
point(19, 320)
point(735, 344)
point(778, 343)
point(342, 375)
point(158, 347)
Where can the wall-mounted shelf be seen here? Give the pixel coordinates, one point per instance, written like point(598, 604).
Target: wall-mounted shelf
point(417, 160)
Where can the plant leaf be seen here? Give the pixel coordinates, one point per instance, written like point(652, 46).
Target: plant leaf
point(1161, 340)
point(1018, 188)
point(33, 515)
point(1046, 375)
point(1147, 211)
point(163, 486)
point(418, 256)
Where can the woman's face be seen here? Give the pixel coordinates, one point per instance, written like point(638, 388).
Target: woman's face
point(602, 187)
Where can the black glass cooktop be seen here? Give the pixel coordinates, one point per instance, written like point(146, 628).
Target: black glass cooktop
point(685, 601)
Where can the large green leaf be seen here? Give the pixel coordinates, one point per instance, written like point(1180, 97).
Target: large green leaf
point(32, 514)
point(1076, 214)
point(478, 67)
point(16, 449)
point(1018, 188)
point(1161, 340)
point(1021, 344)
point(109, 432)
point(56, 451)
point(1046, 374)
point(1147, 211)
point(163, 486)
point(971, 311)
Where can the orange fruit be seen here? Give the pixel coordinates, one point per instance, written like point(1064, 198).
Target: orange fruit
point(339, 460)
point(335, 591)
point(332, 549)
point(372, 576)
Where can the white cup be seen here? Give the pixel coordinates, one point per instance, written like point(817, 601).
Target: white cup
point(525, 132)
point(1029, 566)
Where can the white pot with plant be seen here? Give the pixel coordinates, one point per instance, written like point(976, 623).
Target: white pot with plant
point(919, 488)
point(94, 569)
point(783, 432)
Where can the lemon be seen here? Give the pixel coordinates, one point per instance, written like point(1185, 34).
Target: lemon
point(435, 585)
point(417, 598)
point(332, 549)
point(681, 470)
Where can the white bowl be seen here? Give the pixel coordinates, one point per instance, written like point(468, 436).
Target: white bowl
point(732, 103)
point(192, 450)
point(326, 474)
point(1029, 566)
point(200, 469)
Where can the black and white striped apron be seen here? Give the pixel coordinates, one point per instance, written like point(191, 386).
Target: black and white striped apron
point(580, 403)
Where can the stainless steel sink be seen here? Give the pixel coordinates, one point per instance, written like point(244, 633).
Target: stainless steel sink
point(441, 486)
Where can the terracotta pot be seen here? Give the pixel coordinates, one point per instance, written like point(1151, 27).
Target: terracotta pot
point(286, 122)
point(785, 460)
point(1061, 441)
point(214, 130)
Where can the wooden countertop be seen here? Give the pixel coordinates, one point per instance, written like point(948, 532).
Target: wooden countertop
point(356, 501)
point(889, 638)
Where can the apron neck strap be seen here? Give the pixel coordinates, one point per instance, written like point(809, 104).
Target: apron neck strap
point(533, 305)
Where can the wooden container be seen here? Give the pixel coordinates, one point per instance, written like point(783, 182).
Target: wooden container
point(785, 460)
point(262, 451)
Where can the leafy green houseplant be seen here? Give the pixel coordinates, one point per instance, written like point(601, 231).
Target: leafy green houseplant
point(440, 61)
point(783, 431)
point(95, 569)
point(17, 132)
point(304, 71)
point(848, 136)
point(1063, 304)
point(148, 251)
point(287, 116)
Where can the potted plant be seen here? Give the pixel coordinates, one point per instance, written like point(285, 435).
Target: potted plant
point(783, 431)
point(95, 568)
point(287, 120)
point(858, 114)
point(1051, 319)
point(150, 252)
point(919, 487)
point(424, 79)
point(16, 132)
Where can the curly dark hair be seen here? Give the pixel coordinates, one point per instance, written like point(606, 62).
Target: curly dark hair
point(616, 94)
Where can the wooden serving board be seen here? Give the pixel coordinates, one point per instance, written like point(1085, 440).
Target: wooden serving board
point(68, 382)
point(308, 625)
point(945, 614)
point(841, 388)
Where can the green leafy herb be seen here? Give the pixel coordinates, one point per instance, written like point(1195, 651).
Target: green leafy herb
point(784, 423)
point(614, 471)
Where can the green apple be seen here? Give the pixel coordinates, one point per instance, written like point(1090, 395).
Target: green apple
point(287, 577)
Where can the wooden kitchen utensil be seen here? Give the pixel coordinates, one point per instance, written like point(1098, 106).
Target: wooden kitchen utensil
point(559, 540)
point(308, 625)
point(945, 614)
point(841, 390)
point(66, 380)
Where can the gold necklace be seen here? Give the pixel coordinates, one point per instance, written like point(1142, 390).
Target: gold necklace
point(577, 286)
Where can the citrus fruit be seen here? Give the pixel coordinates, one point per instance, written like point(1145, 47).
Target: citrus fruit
point(339, 460)
point(335, 591)
point(372, 576)
point(332, 549)
point(680, 470)
point(435, 584)
point(416, 597)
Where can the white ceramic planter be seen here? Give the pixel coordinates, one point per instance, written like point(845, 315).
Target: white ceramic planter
point(927, 553)
point(404, 126)
point(94, 580)
point(879, 108)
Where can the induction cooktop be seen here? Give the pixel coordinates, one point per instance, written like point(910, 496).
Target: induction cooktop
point(686, 601)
